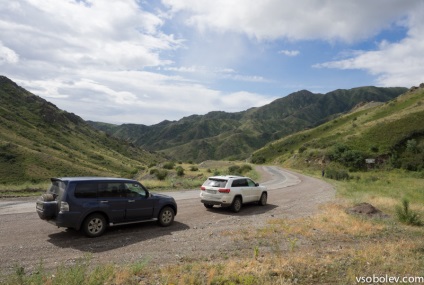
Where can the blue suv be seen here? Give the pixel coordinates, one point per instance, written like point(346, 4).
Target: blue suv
point(93, 203)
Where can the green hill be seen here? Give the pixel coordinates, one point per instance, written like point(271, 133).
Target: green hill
point(222, 135)
point(392, 134)
point(39, 141)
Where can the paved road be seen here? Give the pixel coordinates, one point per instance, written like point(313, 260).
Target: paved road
point(196, 234)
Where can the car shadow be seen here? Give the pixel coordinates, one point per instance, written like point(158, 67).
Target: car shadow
point(114, 237)
point(248, 209)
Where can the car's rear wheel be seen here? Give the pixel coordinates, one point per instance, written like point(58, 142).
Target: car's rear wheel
point(94, 225)
point(166, 216)
point(208, 206)
point(263, 199)
point(236, 205)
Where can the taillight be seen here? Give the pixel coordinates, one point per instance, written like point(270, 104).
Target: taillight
point(224, 190)
point(203, 188)
point(64, 207)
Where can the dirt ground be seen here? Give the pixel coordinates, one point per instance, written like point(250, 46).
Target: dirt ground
point(197, 233)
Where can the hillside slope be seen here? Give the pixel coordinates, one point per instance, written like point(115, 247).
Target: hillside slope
point(38, 141)
point(391, 133)
point(221, 135)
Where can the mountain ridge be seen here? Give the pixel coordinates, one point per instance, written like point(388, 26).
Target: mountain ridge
point(223, 135)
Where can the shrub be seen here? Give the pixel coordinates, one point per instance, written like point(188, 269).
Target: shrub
point(194, 168)
point(234, 170)
point(169, 165)
point(161, 174)
point(337, 174)
point(406, 216)
point(180, 171)
point(258, 159)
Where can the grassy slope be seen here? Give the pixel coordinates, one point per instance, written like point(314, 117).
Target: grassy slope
point(375, 132)
point(38, 141)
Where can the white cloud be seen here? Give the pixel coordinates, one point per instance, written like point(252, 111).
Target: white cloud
point(295, 20)
point(7, 55)
point(289, 52)
point(394, 64)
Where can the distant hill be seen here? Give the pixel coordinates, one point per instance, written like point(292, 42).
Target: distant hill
point(390, 135)
point(222, 135)
point(39, 141)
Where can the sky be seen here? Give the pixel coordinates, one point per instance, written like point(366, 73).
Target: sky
point(143, 62)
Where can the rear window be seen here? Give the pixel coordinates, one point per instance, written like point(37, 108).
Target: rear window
point(211, 182)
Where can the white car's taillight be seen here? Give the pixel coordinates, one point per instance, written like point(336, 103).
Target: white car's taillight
point(224, 190)
point(64, 207)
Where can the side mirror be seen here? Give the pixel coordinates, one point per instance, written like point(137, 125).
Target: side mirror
point(256, 184)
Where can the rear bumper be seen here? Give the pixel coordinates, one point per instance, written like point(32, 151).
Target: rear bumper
point(211, 202)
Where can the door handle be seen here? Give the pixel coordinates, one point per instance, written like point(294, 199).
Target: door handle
point(104, 202)
point(131, 201)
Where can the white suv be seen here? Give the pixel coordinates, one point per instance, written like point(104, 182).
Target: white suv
point(232, 191)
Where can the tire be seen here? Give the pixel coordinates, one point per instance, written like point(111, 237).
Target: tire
point(263, 199)
point(94, 225)
point(208, 206)
point(236, 205)
point(166, 216)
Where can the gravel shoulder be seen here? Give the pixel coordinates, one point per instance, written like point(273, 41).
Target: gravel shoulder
point(197, 233)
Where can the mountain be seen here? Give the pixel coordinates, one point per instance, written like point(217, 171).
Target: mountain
point(390, 135)
point(222, 135)
point(39, 141)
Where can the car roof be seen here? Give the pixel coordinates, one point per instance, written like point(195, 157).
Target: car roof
point(227, 177)
point(90, 178)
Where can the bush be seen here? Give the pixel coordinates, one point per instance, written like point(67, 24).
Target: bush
point(169, 165)
point(194, 168)
point(337, 174)
point(234, 170)
point(258, 159)
point(406, 216)
point(180, 171)
point(161, 174)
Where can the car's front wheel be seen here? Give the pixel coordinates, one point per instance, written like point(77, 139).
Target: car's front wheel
point(166, 216)
point(236, 205)
point(94, 225)
point(263, 199)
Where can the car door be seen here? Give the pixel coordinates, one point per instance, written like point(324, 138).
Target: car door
point(242, 188)
point(112, 201)
point(139, 204)
point(254, 190)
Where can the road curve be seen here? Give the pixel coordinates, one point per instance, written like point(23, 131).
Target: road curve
point(196, 234)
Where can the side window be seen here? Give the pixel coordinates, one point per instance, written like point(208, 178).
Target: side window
point(135, 190)
point(86, 190)
point(111, 190)
point(251, 183)
point(239, 183)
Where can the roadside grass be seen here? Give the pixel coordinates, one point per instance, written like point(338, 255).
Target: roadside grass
point(331, 247)
point(193, 177)
point(23, 190)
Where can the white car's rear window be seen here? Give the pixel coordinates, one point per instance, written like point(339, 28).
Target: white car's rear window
point(215, 183)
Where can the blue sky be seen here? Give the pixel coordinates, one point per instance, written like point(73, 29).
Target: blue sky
point(128, 61)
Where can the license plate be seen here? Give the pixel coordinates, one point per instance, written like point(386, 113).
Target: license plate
point(211, 191)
